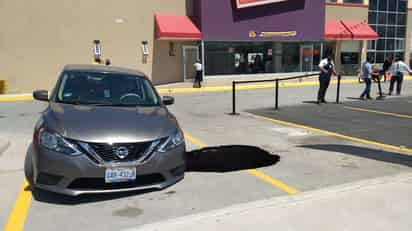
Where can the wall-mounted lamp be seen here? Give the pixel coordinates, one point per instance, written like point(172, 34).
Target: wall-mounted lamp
point(172, 50)
point(97, 51)
point(145, 50)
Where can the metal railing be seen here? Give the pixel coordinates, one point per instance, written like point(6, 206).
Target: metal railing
point(277, 81)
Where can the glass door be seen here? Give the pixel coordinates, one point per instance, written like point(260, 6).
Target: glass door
point(190, 55)
point(306, 57)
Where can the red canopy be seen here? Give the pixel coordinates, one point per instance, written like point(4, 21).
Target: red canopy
point(176, 27)
point(361, 30)
point(334, 29)
point(342, 29)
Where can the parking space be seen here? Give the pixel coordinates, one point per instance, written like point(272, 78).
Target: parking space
point(387, 122)
point(231, 159)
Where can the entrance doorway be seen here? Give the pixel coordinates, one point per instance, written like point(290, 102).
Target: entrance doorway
point(190, 55)
point(306, 57)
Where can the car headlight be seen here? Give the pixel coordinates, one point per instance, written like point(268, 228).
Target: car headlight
point(57, 143)
point(172, 141)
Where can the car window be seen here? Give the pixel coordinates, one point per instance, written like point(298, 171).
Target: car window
point(106, 89)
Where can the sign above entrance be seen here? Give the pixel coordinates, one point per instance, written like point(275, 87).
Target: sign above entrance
point(251, 3)
point(275, 20)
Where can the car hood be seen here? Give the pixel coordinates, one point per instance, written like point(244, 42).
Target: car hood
point(110, 124)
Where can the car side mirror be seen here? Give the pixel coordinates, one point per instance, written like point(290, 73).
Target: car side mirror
point(41, 95)
point(168, 100)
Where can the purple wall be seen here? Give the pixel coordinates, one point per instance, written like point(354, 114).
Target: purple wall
point(222, 21)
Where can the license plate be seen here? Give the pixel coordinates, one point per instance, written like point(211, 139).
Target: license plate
point(114, 175)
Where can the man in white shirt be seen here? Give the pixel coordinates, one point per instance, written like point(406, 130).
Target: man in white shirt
point(199, 77)
point(397, 69)
point(327, 68)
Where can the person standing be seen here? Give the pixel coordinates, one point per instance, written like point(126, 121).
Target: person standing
point(385, 67)
point(327, 69)
point(366, 74)
point(397, 69)
point(199, 77)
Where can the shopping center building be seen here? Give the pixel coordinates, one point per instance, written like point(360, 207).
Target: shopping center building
point(232, 38)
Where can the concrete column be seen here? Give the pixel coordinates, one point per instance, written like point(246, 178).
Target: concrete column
point(364, 50)
point(408, 38)
point(338, 49)
point(277, 57)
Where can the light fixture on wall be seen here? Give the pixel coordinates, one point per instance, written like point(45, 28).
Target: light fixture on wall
point(172, 50)
point(145, 50)
point(97, 50)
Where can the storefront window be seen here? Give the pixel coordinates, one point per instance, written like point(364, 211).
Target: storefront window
point(389, 18)
point(229, 58)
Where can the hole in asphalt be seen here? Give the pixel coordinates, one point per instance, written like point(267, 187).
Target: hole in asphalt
point(374, 154)
point(130, 212)
point(229, 158)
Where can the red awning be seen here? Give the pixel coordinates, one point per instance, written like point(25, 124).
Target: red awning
point(334, 29)
point(361, 30)
point(175, 27)
point(342, 29)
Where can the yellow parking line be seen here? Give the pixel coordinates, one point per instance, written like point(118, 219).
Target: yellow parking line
point(21, 207)
point(317, 130)
point(273, 182)
point(278, 184)
point(378, 112)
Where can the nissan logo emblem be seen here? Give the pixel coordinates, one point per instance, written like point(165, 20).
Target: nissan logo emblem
point(121, 152)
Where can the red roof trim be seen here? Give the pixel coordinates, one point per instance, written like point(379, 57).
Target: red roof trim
point(360, 5)
point(175, 27)
point(339, 29)
point(334, 29)
point(360, 30)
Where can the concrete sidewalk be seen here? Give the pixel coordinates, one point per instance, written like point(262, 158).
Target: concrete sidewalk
point(377, 204)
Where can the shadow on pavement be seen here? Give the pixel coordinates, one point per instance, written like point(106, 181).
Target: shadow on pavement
point(311, 102)
point(229, 158)
point(374, 154)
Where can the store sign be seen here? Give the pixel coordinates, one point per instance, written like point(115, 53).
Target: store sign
point(310, 52)
point(251, 3)
point(278, 34)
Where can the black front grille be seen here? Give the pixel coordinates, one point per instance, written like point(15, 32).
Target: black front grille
point(100, 184)
point(108, 151)
point(48, 179)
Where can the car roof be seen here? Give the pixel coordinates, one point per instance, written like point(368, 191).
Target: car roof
point(102, 69)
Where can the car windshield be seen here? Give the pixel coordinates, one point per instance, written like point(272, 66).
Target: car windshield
point(105, 89)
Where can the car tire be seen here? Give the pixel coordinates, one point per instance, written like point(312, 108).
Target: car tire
point(28, 169)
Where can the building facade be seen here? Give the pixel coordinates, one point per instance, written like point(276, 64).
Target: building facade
point(164, 38)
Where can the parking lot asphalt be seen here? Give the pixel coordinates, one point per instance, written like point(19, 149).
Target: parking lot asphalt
point(232, 159)
point(388, 121)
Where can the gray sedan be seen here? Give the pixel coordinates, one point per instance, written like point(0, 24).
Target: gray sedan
point(105, 130)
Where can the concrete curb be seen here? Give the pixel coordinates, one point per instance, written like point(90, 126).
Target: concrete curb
point(280, 202)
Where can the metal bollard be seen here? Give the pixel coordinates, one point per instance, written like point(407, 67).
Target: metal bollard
point(233, 98)
point(338, 90)
point(277, 94)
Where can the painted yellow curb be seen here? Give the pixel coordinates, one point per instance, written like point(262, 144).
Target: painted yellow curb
point(15, 98)
point(252, 87)
point(28, 97)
